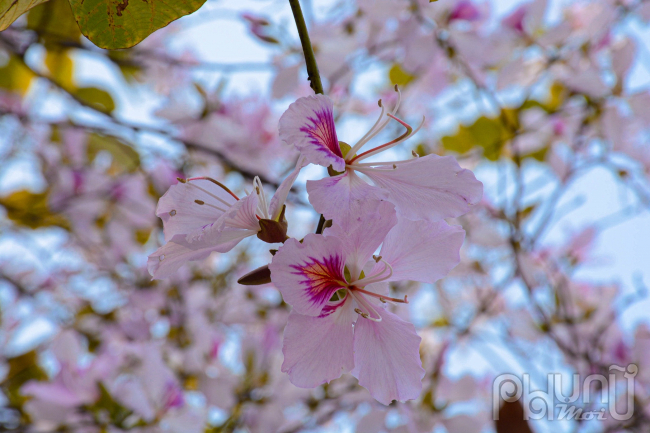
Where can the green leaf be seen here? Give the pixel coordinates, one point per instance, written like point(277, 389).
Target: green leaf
point(98, 98)
point(10, 10)
point(489, 133)
point(31, 210)
point(114, 24)
point(461, 142)
point(486, 132)
point(22, 369)
point(107, 405)
point(124, 156)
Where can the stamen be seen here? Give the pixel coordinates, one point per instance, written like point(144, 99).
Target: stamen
point(202, 203)
point(370, 169)
point(365, 304)
point(382, 298)
point(209, 193)
point(395, 142)
point(377, 277)
point(415, 154)
point(181, 180)
point(367, 137)
point(376, 129)
point(374, 164)
point(376, 258)
point(262, 206)
point(216, 182)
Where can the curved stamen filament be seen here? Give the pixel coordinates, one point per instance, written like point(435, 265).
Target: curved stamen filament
point(371, 169)
point(262, 206)
point(377, 129)
point(216, 182)
point(383, 298)
point(375, 164)
point(377, 277)
point(367, 137)
point(202, 203)
point(366, 305)
point(209, 193)
point(395, 142)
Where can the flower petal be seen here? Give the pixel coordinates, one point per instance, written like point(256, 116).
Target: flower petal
point(318, 349)
point(280, 196)
point(333, 196)
point(308, 273)
point(368, 223)
point(221, 236)
point(308, 124)
point(422, 250)
point(387, 358)
point(181, 214)
point(431, 187)
point(170, 257)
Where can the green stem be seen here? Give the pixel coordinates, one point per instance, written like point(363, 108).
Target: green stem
point(312, 67)
point(310, 59)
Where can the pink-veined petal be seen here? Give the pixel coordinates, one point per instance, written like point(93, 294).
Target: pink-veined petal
point(308, 273)
point(431, 187)
point(280, 196)
point(387, 358)
point(308, 124)
point(170, 257)
point(221, 236)
point(368, 223)
point(333, 196)
point(181, 214)
point(422, 250)
point(318, 349)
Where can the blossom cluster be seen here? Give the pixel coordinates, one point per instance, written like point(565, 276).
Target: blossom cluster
point(335, 283)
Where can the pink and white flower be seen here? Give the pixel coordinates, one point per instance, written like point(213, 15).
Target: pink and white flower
point(326, 279)
point(431, 187)
point(201, 215)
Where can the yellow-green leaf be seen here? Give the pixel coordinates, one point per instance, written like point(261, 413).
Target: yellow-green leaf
point(15, 76)
point(22, 369)
point(98, 98)
point(116, 24)
point(124, 156)
point(399, 76)
point(61, 68)
point(31, 210)
point(54, 23)
point(10, 10)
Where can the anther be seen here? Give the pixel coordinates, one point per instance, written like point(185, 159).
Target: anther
point(376, 258)
point(257, 188)
point(181, 180)
point(396, 89)
point(394, 166)
point(172, 212)
point(415, 154)
point(201, 202)
point(379, 102)
point(382, 300)
point(361, 313)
